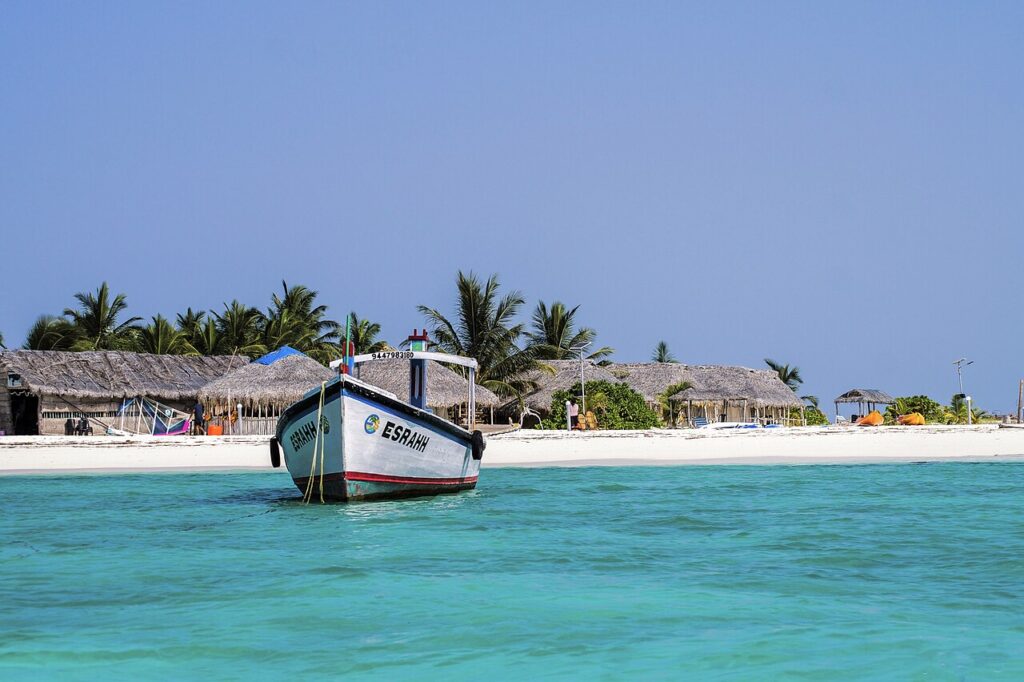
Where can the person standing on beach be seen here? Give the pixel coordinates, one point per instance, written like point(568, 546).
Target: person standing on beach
point(574, 414)
point(199, 424)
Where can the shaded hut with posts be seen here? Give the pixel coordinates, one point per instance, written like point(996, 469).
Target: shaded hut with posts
point(869, 398)
point(249, 400)
point(44, 389)
point(718, 393)
point(447, 390)
point(736, 394)
point(554, 375)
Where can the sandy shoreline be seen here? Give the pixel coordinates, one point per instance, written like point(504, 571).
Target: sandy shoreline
point(831, 445)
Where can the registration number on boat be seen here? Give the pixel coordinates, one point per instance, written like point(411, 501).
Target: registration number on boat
point(392, 355)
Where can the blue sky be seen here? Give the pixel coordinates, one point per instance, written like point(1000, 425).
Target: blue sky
point(833, 185)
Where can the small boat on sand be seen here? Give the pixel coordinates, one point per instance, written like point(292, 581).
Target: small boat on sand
point(347, 440)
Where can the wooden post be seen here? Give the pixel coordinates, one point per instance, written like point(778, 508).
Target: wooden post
point(1020, 403)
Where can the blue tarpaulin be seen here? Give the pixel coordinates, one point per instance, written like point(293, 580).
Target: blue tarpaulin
point(273, 356)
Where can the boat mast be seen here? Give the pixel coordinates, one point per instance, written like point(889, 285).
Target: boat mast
point(418, 370)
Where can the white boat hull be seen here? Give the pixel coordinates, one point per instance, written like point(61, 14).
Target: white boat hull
point(372, 446)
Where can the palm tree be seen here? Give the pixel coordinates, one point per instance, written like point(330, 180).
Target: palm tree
point(789, 375)
point(294, 319)
point(161, 338)
point(190, 323)
point(484, 330)
point(662, 353)
point(665, 402)
point(238, 329)
point(207, 340)
point(364, 335)
point(554, 335)
point(51, 333)
point(811, 400)
point(97, 323)
point(957, 411)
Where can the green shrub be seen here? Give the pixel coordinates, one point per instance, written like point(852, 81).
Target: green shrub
point(933, 412)
point(616, 407)
point(814, 417)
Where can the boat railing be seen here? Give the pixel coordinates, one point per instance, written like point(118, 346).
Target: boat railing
point(445, 358)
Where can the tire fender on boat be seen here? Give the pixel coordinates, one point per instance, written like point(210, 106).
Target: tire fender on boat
point(275, 453)
point(478, 445)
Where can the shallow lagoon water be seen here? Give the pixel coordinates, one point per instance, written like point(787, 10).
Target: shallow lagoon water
point(745, 572)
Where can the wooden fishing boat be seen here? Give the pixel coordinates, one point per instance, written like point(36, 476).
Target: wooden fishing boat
point(347, 440)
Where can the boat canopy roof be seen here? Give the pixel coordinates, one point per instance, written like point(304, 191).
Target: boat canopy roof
point(411, 355)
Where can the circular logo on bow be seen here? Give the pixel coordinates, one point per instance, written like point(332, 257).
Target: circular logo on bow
point(372, 423)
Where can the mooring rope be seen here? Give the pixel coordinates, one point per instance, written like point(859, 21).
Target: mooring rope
point(319, 442)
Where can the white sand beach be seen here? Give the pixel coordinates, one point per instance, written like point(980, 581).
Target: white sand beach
point(810, 445)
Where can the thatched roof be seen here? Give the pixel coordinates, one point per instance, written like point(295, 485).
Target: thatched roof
point(865, 395)
point(445, 388)
point(278, 384)
point(566, 374)
point(115, 374)
point(757, 387)
point(651, 379)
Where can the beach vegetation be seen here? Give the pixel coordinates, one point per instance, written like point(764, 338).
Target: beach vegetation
point(239, 330)
point(662, 353)
point(931, 410)
point(484, 327)
point(190, 323)
point(812, 415)
point(790, 375)
point(97, 321)
point(956, 412)
point(295, 319)
point(616, 407)
point(554, 335)
point(49, 332)
point(160, 337)
point(365, 335)
point(206, 339)
point(668, 411)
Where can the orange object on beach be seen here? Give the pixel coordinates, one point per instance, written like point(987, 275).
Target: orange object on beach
point(214, 430)
point(873, 418)
point(912, 419)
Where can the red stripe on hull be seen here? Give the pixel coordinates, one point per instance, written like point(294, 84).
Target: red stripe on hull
point(408, 480)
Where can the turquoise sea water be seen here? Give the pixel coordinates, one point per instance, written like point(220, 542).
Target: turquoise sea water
point(803, 572)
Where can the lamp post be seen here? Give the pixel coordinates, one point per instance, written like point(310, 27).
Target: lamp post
point(960, 364)
point(583, 385)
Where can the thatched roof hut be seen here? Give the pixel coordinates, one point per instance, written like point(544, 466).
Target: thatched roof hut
point(864, 398)
point(276, 385)
point(46, 388)
point(445, 388)
point(759, 388)
point(718, 392)
point(651, 379)
point(114, 374)
point(566, 373)
point(865, 395)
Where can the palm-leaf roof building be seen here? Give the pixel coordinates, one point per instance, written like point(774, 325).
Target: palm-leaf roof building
point(717, 392)
point(868, 398)
point(45, 388)
point(250, 399)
